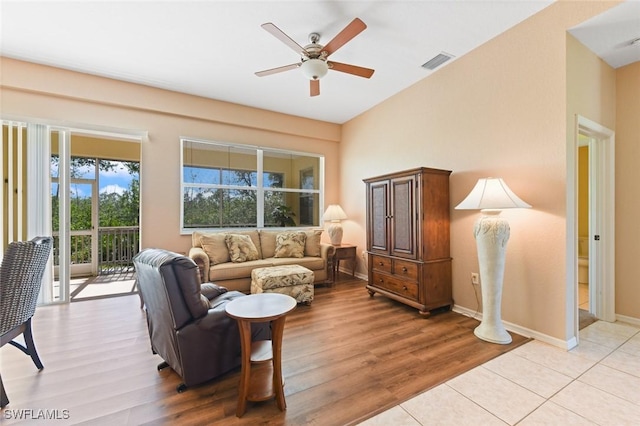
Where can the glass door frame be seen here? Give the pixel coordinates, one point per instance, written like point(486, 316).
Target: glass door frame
point(90, 268)
point(65, 181)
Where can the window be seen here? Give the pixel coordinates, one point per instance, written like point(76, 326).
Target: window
point(239, 186)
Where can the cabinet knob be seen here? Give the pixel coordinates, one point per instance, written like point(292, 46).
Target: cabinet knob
point(381, 263)
point(404, 269)
point(404, 287)
point(381, 280)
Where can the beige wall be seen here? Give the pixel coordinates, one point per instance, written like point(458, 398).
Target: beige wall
point(628, 190)
point(504, 109)
point(36, 92)
point(500, 110)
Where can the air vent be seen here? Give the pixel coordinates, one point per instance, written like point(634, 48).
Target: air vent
point(437, 60)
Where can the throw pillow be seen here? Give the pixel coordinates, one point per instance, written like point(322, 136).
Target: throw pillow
point(290, 244)
point(215, 247)
point(241, 248)
point(312, 244)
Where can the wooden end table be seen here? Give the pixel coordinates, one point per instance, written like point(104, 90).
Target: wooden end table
point(264, 357)
point(344, 252)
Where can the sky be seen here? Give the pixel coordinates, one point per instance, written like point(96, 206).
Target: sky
point(117, 181)
point(112, 181)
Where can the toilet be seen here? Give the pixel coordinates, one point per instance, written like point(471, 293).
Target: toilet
point(583, 260)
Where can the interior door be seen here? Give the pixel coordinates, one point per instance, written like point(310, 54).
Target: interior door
point(601, 220)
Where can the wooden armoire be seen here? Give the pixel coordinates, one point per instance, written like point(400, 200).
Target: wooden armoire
point(408, 238)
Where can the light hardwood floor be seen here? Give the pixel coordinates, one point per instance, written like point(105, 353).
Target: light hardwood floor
point(345, 358)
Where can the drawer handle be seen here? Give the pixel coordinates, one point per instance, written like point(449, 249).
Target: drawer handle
point(404, 287)
point(404, 269)
point(381, 280)
point(381, 263)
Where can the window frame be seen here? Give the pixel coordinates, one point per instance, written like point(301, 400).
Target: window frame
point(259, 187)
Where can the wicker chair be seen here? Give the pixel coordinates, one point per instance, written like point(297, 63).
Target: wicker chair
point(20, 280)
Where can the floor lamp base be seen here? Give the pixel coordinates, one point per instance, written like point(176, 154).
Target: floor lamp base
point(491, 233)
point(493, 334)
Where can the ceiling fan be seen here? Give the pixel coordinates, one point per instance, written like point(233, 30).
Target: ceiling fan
point(313, 62)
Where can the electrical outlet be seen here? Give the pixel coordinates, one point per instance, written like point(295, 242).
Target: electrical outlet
point(475, 278)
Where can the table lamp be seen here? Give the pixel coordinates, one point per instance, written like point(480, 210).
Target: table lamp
point(490, 196)
point(334, 214)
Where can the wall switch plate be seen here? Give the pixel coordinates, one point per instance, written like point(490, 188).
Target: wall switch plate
point(475, 278)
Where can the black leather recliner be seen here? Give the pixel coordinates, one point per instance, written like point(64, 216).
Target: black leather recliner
point(188, 325)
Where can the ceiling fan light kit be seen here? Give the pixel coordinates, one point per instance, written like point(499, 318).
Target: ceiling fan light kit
point(314, 69)
point(314, 64)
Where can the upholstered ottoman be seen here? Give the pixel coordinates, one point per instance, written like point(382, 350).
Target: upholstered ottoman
point(293, 280)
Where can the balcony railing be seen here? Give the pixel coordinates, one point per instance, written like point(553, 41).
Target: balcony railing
point(116, 248)
point(117, 245)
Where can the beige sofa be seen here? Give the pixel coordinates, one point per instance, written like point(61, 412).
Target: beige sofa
point(226, 266)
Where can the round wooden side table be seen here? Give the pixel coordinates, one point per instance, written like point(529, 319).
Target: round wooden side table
point(264, 357)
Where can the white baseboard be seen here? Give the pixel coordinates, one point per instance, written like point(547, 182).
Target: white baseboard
point(523, 331)
point(628, 320)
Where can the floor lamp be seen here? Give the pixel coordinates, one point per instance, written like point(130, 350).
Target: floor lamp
point(491, 231)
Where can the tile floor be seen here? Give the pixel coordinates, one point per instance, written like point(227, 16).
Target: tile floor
point(597, 383)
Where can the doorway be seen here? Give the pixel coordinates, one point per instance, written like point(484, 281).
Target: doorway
point(95, 214)
point(595, 222)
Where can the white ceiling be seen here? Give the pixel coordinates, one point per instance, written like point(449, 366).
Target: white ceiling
point(610, 34)
point(212, 48)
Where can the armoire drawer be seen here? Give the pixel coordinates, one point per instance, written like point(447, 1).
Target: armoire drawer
point(380, 263)
point(395, 285)
point(404, 269)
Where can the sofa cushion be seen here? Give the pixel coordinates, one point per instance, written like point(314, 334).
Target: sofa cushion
point(290, 244)
point(215, 247)
point(231, 271)
point(241, 248)
point(313, 263)
point(312, 243)
point(268, 242)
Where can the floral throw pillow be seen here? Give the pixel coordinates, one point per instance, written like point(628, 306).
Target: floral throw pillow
point(290, 244)
point(241, 248)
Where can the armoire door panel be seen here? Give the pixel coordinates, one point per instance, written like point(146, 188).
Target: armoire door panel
point(378, 225)
point(403, 217)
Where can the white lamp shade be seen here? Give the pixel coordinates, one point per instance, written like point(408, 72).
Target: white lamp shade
point(334, 213)
point(491, 194)
point(314, 69)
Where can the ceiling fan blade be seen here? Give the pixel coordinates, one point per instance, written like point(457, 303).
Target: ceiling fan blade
point(351, 69)
point(314, 87)
point(280, 35)
point(277, 70)
point(350, 31)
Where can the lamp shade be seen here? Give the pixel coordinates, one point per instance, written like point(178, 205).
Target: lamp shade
point(334, 213)
point(314, 69)
point(491, 194)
